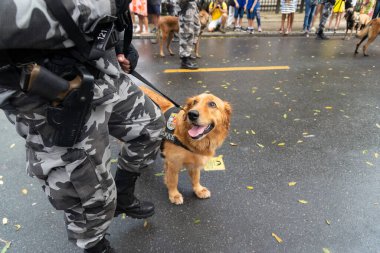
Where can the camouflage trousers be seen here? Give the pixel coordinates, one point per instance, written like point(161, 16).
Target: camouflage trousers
point(78, 180)
point(189, 29)
point(326, 12)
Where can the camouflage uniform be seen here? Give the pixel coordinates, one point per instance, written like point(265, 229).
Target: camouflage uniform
point(326, 12)
point(78, 180)
point(189, 29)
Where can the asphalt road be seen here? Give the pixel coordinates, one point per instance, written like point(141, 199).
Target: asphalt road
point(316, 122)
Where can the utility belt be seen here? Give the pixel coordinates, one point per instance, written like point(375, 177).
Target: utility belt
point(63, 77)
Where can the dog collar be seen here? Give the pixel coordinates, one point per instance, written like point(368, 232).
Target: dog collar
point(171, 118)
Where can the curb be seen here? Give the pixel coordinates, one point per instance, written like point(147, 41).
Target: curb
point(337, 35)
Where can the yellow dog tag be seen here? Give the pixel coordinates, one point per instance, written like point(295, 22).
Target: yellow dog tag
point(215, 163)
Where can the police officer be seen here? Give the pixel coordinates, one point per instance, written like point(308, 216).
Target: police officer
point(189, 30)
point(77, 178)
point(327, 6)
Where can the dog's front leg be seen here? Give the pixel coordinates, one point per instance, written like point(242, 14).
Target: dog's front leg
point(199, 190)
point(169, 41)
point(171, 180)
point(196, 48)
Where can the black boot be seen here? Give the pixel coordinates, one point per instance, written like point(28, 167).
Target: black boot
point(321, 35)
point(102, 246)
point(187, 64)
point(126, 201)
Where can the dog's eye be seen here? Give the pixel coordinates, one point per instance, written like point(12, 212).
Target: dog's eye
point(212, 104)
point(195, 102)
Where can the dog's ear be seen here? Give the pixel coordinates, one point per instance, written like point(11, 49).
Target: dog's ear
point(228, 111)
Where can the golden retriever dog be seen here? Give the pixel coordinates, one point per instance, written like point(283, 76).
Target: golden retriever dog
point(370, 31)
point(201, 127)
point(168, 25)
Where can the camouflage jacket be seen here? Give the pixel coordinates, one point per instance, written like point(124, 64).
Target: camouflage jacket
point(28, 24)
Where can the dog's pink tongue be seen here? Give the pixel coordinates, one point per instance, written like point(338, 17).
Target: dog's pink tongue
point(196, 130)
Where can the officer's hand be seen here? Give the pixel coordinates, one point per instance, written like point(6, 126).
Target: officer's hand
point(124, 63)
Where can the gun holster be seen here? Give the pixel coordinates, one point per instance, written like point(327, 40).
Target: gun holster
point(69, 117)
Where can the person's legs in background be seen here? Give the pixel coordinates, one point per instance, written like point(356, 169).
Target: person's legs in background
point(258, 17)
point(326, 12)
point(230, 19)
point(376, 11)
point(186, 35)
point(154, 11)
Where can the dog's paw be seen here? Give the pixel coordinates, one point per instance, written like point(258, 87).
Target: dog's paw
point(176, 199)
point(203, 193)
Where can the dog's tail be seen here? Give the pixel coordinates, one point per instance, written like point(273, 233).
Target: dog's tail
point(363, 32)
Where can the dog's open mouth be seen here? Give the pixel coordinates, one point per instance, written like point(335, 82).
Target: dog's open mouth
point(196, 131)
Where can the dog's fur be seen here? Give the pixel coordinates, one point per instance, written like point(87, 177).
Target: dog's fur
point(168, 25)
point(361, 21)
point(350, 22)
point(212, 112)
point(370, 31)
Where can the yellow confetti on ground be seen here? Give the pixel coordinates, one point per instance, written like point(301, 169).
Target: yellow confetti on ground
point(17, 226)
point(159, 174)
point(145, 224)
point(123, 216)
point(278, 239)
point(12, 145)
point(24, 191)
point(285, 116)
point(378, 125)
point(5, 221)
point(6, 247)
point(114, 160)
point(376, 156)
point(253, 132)
point(215, 163)
point(260, 145)
point(328, 222)
point(326, 250)
point(369, 163)
point(197, 221)
point(233, 144)
point(1, 182)
point(250, 187)
point(281, 144)
point(303, 201)
point(328, 107)
point(299, 141)
point(365, 152)
point(292, 183)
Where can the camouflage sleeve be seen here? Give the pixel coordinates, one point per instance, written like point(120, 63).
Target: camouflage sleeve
point(28, 24)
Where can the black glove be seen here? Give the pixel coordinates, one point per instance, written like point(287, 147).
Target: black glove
point(122, 6)
point(132, 55)
point(183, 5)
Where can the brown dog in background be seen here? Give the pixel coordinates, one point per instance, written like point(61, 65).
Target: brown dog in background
point(201, 126)
point(168, 25)
point(370, 31)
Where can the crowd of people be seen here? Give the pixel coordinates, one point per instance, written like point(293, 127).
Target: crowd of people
point(229, 14)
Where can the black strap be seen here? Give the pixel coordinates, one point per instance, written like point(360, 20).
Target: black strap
point(63, 16)
point(142, 79)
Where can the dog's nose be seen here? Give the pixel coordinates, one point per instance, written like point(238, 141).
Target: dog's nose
point(193, 115)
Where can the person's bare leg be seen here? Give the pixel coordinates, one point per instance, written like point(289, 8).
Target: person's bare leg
point(283, 16)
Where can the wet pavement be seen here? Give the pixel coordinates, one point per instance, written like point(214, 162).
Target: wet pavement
point(314, 122)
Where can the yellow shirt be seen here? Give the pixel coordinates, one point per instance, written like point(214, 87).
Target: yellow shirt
point(217, 13)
